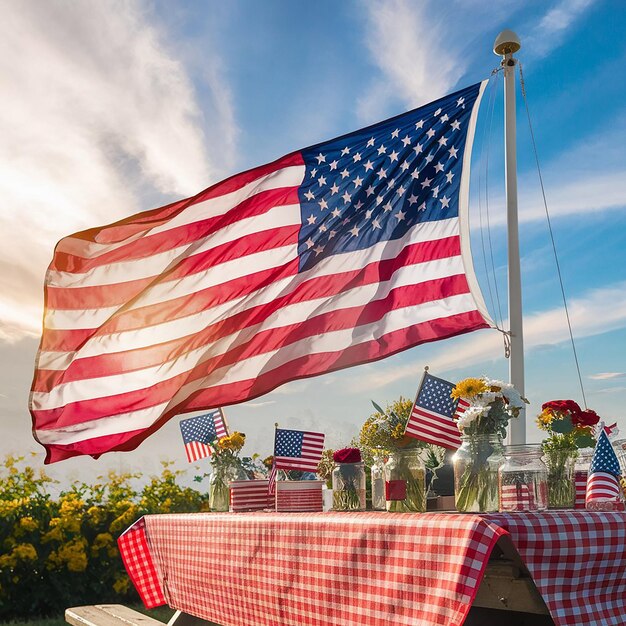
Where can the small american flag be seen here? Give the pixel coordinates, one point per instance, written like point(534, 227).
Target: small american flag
point(249, 495)
point(199, 431)
point(299, 496)
point(433, 413)
point(603, 481)
point(297, 450)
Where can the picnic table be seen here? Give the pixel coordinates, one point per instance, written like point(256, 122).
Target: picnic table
point(322, 569)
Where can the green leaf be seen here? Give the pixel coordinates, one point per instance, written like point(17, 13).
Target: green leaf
point(378, 408)
point(564, 426)
point(585, 441)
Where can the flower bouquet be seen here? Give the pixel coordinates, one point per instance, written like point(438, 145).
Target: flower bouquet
point(226, 466)
point(348, 480)
point(570, 428)
point(490, 404)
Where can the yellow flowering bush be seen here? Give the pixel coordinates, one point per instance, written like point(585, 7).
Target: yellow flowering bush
point(62, 551)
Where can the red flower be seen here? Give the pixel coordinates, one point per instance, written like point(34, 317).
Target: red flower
point(586, 418)
point(347, 455)
point(562, 406)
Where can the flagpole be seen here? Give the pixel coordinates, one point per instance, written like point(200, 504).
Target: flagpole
point(506, 44)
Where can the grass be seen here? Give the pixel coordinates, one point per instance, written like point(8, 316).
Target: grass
point(162, 613)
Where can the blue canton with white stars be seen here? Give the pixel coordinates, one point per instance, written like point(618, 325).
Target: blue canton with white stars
point(604, 457)
point(435, 396)
point(200, 428)
point(288, 443)
point(375, 184)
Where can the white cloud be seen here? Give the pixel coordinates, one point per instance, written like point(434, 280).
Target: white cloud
point(552, 28)
point(99, 120)
point(589, 316)
point(607, 375)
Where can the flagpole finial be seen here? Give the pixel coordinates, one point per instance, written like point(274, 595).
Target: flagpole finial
point(507, 42)
point(275, 424)
point(425, 368)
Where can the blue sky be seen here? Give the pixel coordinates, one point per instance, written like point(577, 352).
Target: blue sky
point(141, 103)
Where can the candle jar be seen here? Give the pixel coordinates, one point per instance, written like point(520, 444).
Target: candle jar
point(377, 474)
point(523, 479)
point(405, 482)
point(349, 486)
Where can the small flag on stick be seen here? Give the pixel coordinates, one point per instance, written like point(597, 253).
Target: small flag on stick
point(433, 413)
point(201, 430)
point(603, 484)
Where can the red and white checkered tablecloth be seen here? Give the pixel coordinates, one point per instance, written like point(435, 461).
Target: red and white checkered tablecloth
point(577, 560)
point(375, 568)
point(321, 569)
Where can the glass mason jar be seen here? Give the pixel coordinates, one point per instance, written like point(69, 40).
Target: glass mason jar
point(219, 490)
point(581, 473)
point(523, 479)
point(349, 487)
point(619, 445)
point(476, 465)
point(405, 482)
point(377, 473)
point(561, 488)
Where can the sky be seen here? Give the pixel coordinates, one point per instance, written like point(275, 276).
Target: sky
point(111, 108)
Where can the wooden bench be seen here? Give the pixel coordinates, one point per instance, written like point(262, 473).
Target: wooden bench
point(120, 615)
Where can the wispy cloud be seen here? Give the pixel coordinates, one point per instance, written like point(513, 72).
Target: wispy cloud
point(607, 375)
point(552, 28)
point(607, 390)
point(99, 120)
point(589, 316)
point(257, 405)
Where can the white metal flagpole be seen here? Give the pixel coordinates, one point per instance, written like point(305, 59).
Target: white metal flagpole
point(506, 44)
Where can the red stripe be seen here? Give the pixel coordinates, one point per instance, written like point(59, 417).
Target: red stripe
point(259, 343)
point(302, 367)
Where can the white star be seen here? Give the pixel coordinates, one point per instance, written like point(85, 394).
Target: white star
point(320, 158)
point(429, 158)
point(400, 190)
point(375, 223)
point(321, 180)
point(369, 191)
point(370, 143)
point(431, 133)
point(345, 173)
point(456, 125)
point(346, 198)
point(313, 172)
point(333, 165)
point(323, 228)
point(460, 101)
point(412, 199)
point(309, 196)
point(419, 124)
point(444, 118)
point(422, 207)
point(426, 183)
point(345, 151)
point(358, 205)
point(379, 200)
point(387, 207)
point(334, 189)
point(415, 174)
point(439, 167)
point(395, 133)
point(400, 215)
point(331, 234)
point(355, 231)
point(435, 191)
point(358, 181)
point(437, 112)
point(309, 243)
point(318, 250)
point(449, 177)
point(368, 213)
point(443, 141)
point(336, 213)
point(445, 201)
point(323, 204)
point(453, 152)
point(405, 166)
point(368, 165)
point(382, 173)
point(418, 148)
point(382, 149)
point(393, 156)
point(406, 141)
point(356, 157)
point(312, 219)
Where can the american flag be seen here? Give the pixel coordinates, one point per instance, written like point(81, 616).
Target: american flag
point(299, 496)
point(517, 497)
point(580, 482)
point(297, 450)
point(433, 413)
point(339, 254)
point(199, 431)
point(604, 473)
point(250, 495)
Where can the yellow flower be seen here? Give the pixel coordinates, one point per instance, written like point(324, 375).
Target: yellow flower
point(72, 555)
point(25, 552)
point(232, 442)
point(121, 585)
point(469, 388)
point(28, 523)
point(102, 540)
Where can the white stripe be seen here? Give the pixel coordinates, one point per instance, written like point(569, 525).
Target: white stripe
point(89, 388)
point(291, 176)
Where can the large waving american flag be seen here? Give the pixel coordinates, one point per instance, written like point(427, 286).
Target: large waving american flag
point(339, 254)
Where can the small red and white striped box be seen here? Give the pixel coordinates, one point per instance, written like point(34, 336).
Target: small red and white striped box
point(580, 479)
point(296, 496)
point(250, 495)
point(517, 498)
